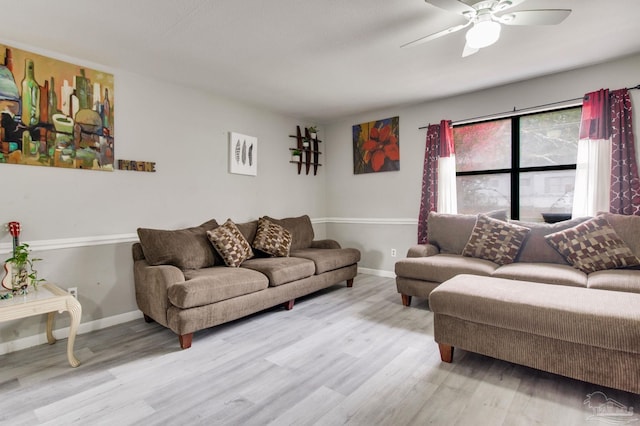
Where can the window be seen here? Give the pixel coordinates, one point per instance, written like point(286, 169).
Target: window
point(525, 164)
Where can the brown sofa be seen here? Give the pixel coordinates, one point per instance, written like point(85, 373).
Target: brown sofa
point(537, 310)
point(182, 282)
point(428, 265)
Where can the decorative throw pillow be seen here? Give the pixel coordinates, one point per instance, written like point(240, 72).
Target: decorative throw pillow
point(230, 244)
point(272, 239)
point(451, 232)
point(495, 240)
point(593, 246)
point(300, 227)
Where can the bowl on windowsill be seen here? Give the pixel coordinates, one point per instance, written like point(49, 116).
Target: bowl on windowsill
point(555, 217)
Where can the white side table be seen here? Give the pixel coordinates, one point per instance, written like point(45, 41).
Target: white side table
point(47, 300)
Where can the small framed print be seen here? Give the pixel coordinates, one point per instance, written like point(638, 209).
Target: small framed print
point(243, 154)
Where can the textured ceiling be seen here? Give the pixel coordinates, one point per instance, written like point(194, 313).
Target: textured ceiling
point(317, 59)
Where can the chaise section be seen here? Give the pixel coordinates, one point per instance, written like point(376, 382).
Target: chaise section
point(586, 334)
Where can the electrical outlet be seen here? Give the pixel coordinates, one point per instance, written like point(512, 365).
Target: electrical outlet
point(73, 291)
point(393, 252)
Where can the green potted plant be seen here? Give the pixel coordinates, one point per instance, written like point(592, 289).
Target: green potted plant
point(20, 270)
point(313, 132)
point(296, 155)
point(305, 143)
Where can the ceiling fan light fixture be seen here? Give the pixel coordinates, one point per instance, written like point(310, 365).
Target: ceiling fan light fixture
point(483, 34)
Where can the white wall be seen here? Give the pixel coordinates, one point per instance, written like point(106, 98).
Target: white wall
point(394, 197)
point(186, 133)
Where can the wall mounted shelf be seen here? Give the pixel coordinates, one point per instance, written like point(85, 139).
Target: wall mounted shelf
point(310, 155)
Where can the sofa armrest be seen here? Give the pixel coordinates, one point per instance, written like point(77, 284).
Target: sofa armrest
point(422, 250)
point(325, 244)
point(151, 284)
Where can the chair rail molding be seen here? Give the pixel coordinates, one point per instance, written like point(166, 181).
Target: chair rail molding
point(366, 220)
point(63, 243)
point(98, 240)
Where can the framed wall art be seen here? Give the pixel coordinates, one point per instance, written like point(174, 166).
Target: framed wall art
point(54, 113)
point(243, 154)
point(376, 146)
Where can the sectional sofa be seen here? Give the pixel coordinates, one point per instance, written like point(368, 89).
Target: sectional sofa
point(428, 265)
point(560, 297)
point(196, 278)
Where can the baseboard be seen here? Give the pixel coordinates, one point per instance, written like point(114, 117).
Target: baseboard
point(63, 333)
point(376, 272)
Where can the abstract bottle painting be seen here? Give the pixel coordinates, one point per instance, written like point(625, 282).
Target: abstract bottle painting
point(243, 154)
point(54, 113)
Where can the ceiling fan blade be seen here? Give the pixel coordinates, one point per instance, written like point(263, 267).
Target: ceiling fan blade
point(436, 35)
point(454, 6)
point(534, 17)
point(503, 5)
point(468, 51)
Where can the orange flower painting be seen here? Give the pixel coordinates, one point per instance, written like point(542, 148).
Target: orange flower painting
point(376, 146)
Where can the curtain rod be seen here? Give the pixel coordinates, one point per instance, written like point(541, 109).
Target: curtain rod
point(509, 113)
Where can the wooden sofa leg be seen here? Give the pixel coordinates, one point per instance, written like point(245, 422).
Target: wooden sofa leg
point(446, 352)
point(147, 318)
point(288, 305)
point(406, 299)
point(350, 283)
point(185, 340)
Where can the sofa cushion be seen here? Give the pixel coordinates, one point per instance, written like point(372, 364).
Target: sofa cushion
point(535, 248)
point(230, 244)
point(329, 259)
point(549, 273)
point(211, 285)
point(301, 230)
point(628, 229)
point(615, 279)
point(184, 248)
point(450, 232)
point(495, 240)
point(248, 229)
point(272, 239)
point(281, 270)
point(593, 246)
point(442, 267)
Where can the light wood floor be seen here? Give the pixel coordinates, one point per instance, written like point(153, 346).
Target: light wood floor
point(342, 356)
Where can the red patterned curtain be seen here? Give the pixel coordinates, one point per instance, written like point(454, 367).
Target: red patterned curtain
point(625, 184)
point(439, 143)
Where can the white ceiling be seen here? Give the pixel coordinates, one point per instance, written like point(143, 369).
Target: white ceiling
point(317, 59)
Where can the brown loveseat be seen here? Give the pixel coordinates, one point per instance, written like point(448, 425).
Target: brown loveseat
point(183, 283)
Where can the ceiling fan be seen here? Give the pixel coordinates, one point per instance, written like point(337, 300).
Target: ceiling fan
point(485, 17)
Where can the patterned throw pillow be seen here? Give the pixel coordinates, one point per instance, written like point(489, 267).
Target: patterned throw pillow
point(495, 240)
point(272, 239)
point(593, 246)
point(230, 244)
